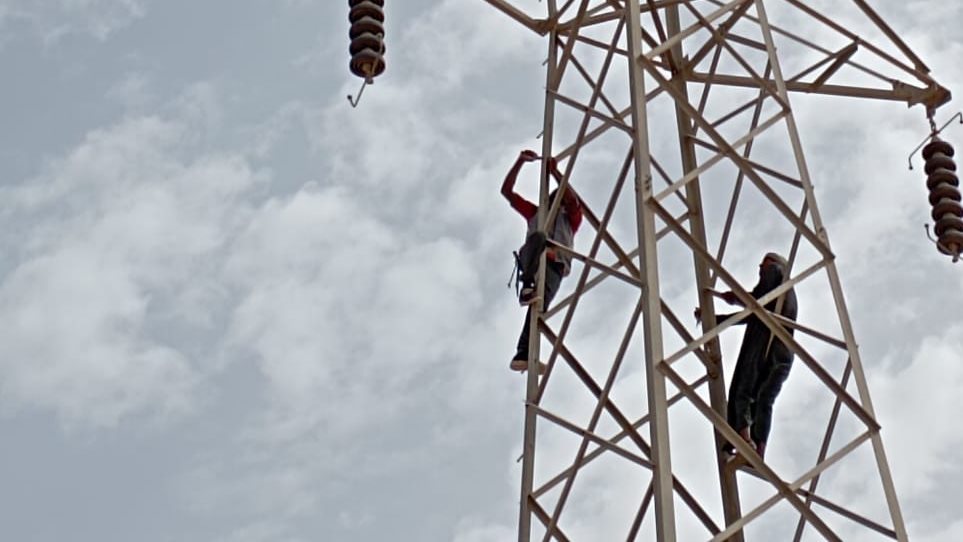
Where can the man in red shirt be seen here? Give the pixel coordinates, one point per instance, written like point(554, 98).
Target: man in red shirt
point(562, 232)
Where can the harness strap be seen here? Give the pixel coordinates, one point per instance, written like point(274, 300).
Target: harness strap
point(516, 273)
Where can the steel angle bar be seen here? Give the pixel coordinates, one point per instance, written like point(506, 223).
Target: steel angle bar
point(597, 413)
point(841, 58)
point(692, 29)
point(742, 40)
point(741, 163)
point(665, 176)
point(656, 20)
point(595, 133)
point(569, 45)
point(735, 112)
point(684, 334)
point(592, 20)
point(643, 508)
point(601, 232)
point(777, 330)
point(601, 45)
point(518, 15)
point(898, 94)
point(866, 406)
point(720, 154)
point(617, 11)
point(610, 50)
point(718, 35)
point(742, 294)
point(838, 343)
point(824, 447)
point(595, 281)
point(604, 445)
point(589, 111)
point(534, 344)
point(815, 66)
point(796, 183)
point(611, 271)
point(881, 24)
point(626, 426)
point(579, 370)
point(707, 88)
point(762, 83)
point(831, 460)
point(547, 486)
point(797, 485)
point(809, 44)
point(923, 76)
point(542, 516)
point(749, 454)
point(737, 189)
point(579, 139)
point(710, 355)
point(848, 514)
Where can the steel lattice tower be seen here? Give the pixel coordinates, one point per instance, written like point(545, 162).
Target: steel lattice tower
point(665, 102)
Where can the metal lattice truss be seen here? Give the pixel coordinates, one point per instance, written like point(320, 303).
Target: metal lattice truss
point(672, 121)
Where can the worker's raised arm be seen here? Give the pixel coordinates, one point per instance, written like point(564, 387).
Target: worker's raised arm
point(520, 204)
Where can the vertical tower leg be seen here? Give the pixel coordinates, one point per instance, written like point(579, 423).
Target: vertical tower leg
point(649, 266)
point(728, 483)
point(531, 388)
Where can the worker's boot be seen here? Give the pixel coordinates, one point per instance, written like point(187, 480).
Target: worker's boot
point(527, 296)
point(761, 449)
point(521, 365)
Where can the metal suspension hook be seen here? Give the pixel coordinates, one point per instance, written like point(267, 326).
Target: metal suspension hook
point(354, 101)
point(933, 132)
point(940, 246)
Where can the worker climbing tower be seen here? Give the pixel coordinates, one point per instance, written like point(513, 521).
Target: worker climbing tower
point(673, 121)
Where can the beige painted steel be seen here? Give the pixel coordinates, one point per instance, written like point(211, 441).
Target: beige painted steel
point(665, 46)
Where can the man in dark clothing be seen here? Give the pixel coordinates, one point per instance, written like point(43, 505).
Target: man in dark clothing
point(562, 231)
point(764, 362)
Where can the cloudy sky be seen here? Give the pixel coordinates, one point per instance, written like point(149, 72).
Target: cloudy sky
point(233, 308)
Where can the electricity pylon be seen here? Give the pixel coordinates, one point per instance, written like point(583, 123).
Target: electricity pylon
point(688, 103)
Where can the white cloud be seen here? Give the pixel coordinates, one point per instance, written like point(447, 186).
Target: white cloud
point(114, 242)
point(58, 18)
point(485, 533)
point(918, 437)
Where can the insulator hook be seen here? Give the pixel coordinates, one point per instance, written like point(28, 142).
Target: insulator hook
point(941, 247)
point(355, 101)
point(933, 133)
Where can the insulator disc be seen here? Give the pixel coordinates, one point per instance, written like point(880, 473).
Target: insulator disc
point(944, 191)
point(947, 206)
point(367, 41)
point(948, 223)
point(368, 63)
point(937, 145)
point(353, 3)
point(938, 161)
point(942, 176)
point(366, 25)
point(366, 8)
point(952, 241)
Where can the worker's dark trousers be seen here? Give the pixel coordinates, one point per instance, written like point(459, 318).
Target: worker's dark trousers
point(768, 384)
point(528, 257)
point(553, 278)
point(755, 386)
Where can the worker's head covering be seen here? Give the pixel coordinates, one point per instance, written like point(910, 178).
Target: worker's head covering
point(778, 259)
point(780, 262)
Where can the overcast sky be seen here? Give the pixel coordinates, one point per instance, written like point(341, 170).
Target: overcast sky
point(233, 308)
